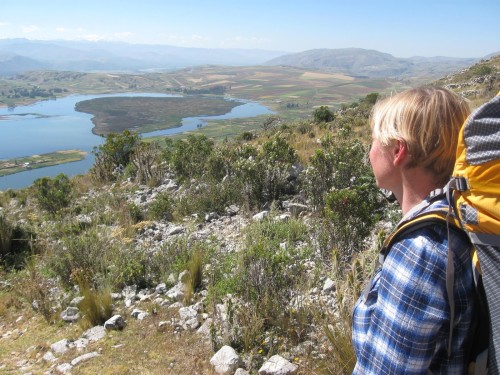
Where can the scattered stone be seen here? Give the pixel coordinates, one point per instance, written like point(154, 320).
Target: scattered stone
point(328, 286)
point(225, 361)
point(71, 314)
point(129, 292)
point(49, 357)
point(277, 365)
point(176, 230)
point(84, 357)
point(95, 333)
point(261, 215)
point(81, 343)
point(61, 346)
point(176, 293)
point(139, 314)
point(116, 322)
point(161, 288)
point(76, 301)
point(241, 371)
point(65, 368)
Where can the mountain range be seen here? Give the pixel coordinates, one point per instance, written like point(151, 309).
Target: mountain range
point(21, 55)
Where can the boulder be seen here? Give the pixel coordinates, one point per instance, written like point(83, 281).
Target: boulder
point(225, 361)
point(116, 322)
point(277, 365)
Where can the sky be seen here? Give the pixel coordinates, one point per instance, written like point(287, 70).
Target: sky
point(403, 28)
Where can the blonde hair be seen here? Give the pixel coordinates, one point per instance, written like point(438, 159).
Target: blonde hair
point(428, 121)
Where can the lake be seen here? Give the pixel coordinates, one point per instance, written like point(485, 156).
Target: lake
point(54, 125)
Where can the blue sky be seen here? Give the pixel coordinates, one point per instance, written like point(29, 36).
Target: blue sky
point(403, 28)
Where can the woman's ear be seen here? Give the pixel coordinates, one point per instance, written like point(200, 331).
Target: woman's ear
point(400, 153)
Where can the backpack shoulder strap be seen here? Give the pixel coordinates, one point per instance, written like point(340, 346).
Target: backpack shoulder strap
point(436, 216)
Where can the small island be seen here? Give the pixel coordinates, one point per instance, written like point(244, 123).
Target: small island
point(146, 114)
point(19, 164)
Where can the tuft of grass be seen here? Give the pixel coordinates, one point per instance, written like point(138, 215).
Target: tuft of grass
point(96, 307)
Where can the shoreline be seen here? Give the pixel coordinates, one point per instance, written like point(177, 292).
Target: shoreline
point(23, 163)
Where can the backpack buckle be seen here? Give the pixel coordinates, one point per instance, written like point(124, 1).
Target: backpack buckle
point(460, 183)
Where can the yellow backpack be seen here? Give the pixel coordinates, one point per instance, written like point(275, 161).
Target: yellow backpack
point(475, 193)
point(474, 196)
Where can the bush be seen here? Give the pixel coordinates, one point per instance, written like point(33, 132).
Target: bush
point(189, 157)
point(323, 114)
point(116, 151)
point(53, 194)
point(161, 208)
point(353, 213)
point(340, 164)
point(15, 244)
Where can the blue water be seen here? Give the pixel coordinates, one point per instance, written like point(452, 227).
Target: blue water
point(54, 125)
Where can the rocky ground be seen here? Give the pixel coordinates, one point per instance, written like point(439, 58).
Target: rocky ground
point(176, 336)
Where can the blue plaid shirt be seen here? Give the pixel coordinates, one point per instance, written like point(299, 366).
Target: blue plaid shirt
point(402, 325)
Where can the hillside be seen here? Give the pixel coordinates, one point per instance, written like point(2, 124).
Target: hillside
point(261, 243)
point(371, 63)
point(478, 82)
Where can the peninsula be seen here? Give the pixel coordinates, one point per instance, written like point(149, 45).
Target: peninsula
point(19, 164)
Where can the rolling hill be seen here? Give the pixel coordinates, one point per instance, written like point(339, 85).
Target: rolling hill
point(371, 63)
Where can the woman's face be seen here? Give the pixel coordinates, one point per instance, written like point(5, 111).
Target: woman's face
point(381, 160)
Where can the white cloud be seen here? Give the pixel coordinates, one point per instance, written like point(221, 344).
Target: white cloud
point(123, 35)
point(2, 24)
point(61, 29)
point(29, 29)
point(197, 38)
point(93, 37)
point(242, 41)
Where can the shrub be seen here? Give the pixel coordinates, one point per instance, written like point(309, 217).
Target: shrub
point(85, 257)
point(353, 213)
point(340, 164)
point(161, 208)
point(53, 194)
point(323, 114)
point(189, 157)
point(116, 151)
point(146, 160)
point(15, 244)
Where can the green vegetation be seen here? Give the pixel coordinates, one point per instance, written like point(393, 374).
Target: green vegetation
point(91, 237)
point(264, 275)
point(116, 114)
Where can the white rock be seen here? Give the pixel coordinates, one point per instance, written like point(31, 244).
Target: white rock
point(71, 314)
point(84, 357)
point(61, 346)
point(81, 343)
point(277, 365)
point(225, 361)
point(261, 215)
point(49, 357)
point(328, 286)
point(95, 333)
point(176, 293)
point(187, 313)
point(175, 230)
point(241, 371)
point(65, 368)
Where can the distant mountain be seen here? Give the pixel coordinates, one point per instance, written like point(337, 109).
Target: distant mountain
point(12, 64)
point(371, 63)
point(112, 56)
